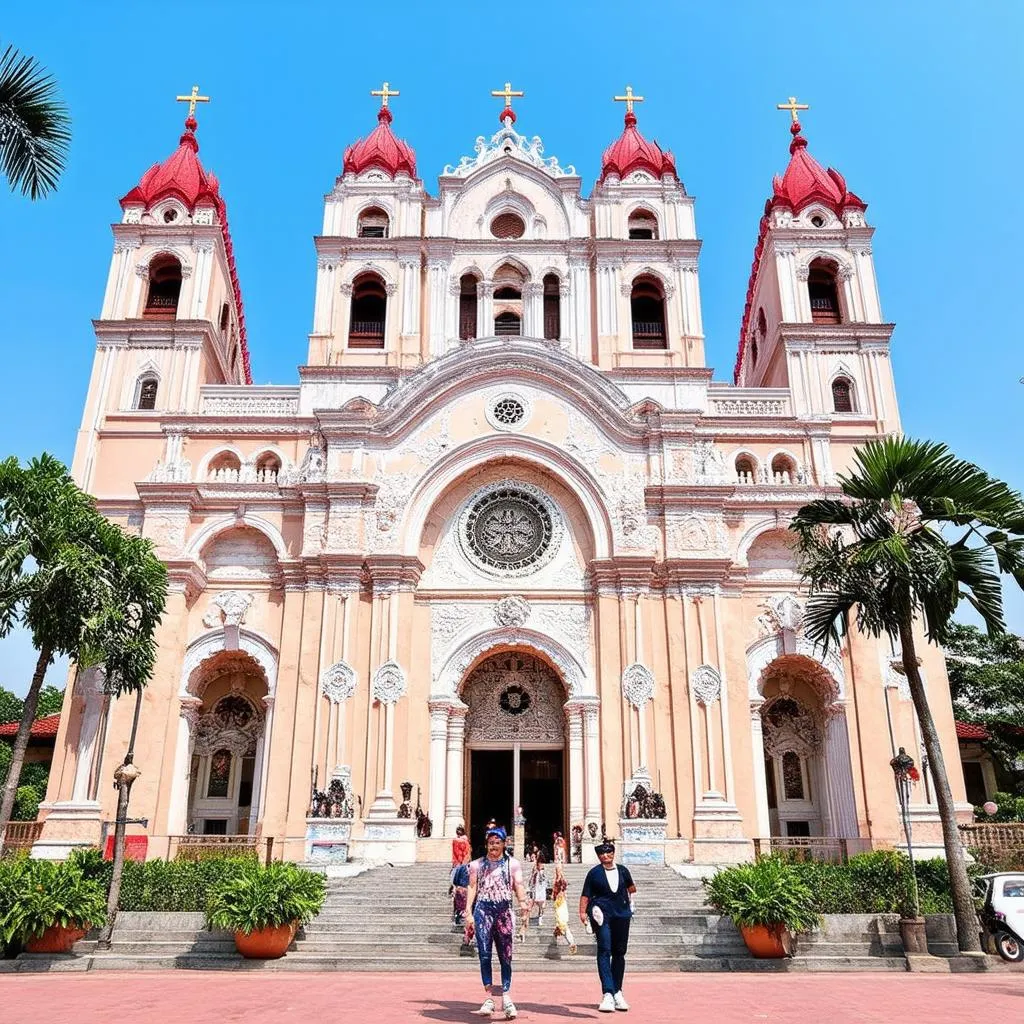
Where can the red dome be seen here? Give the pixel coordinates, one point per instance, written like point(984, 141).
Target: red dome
point(181, 175)
point(381, 149)
point(632, 152)
point(806, 181)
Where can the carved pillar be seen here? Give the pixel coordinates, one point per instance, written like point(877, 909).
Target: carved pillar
point(410, 269)
point(343, 319)
point(592, 756)
point(574, 718)
point(261, 767)
point(91, 686)
point(436, 274)
point(564, 313)
point(760, 780)
point(484, 309)
point(177, 809)
point(838, 775)
point(730, 781)
point(438, 742)
point(456, 753)
point(533, 320)
point(389, 686)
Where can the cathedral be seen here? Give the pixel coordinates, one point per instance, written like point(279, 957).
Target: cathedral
point(506, 549)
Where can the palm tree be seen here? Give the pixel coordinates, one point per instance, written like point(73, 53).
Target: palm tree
point(35, 129)
point(887, 553)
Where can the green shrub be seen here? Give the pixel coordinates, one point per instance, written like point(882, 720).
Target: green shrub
point(26, 804)
point(266, 897)
point(769, 891)
point(44, 893)
point(177, 885)
point(11, 870)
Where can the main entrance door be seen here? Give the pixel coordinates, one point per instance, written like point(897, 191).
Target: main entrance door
point(515, 733)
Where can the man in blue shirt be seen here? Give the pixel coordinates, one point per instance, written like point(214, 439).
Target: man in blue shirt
point(607, 900)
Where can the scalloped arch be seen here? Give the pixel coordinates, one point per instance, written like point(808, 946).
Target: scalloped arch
point(209, 531)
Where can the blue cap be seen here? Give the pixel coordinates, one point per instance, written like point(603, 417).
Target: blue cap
point(496, 831)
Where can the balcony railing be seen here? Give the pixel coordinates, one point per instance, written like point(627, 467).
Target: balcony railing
point(366, 334)
point(199, 847)
point(648, 334)
point(835, 849)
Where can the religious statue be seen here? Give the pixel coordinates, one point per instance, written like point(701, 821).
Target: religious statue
point(592, 829)
point(424, 826)
point(576, 836)
point(405, 809)
point(644, 803)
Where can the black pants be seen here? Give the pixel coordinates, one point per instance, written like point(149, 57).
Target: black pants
point(612, 940)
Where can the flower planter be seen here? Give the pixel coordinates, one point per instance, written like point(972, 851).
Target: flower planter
point(56, 939)
point(768, 942)
point(915, 940)
point(266, 943)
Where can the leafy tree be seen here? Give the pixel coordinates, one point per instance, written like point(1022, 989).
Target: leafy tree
point(51, 700)
point(82, 586)
point(11, 706)
point(35, 129)
point(881, 555)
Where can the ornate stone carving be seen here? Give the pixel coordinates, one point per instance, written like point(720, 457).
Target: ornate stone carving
point(234, 724)
point(175, 471)
point(706, 684)
point(637, 684)
point(251, 405)
point(507, 142)
point(508, 410)
point(313, 468)
point(585, 443)
point(389, 683)
point(338, 682)
point(393, 494)
point(632, 531)
point(512, 611)
point(781, 612)
point(228, 608)
point(514, 696)
point(787, 726)
point(708, 463)
point(749, 407)
point(510, 529)
point(700, 533)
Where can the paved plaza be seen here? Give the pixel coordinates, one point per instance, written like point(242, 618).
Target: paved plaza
point(275, 998)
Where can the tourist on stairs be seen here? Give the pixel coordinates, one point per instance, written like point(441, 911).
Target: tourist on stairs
point(460, 875)
point(492, 881)
point(607, 898)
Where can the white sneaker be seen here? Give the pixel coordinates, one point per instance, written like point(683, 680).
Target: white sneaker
point(486, 1008)
point(540, 921)
point(510, 1008)
point(620, 1001)
point(607, 1004)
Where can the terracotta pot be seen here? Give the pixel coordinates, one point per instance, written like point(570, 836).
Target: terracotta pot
point(768, 942)
point(266, 943)
point(915, 939)
point(56, 939)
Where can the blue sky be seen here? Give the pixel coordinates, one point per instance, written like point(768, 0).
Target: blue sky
point(916, 103)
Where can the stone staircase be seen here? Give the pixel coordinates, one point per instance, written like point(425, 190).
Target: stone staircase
point(399, 919)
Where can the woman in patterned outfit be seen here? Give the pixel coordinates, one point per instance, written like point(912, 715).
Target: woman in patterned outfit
point(492, 881)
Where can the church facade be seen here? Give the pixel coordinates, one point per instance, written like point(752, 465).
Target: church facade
point(506, 541)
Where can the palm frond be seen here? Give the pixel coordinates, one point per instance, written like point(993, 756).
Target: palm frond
point(35, 128)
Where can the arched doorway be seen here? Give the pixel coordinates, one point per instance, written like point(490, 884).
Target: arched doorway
point(515, 743)
point(227, 727)
point(807, 770)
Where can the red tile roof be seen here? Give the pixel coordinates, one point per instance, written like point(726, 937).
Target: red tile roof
point(970, 731)
point(381, 149)
point(631, 152)
point(42, 728)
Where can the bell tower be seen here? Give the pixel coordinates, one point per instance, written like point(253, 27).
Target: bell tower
point(172, 317)
point(813, 321)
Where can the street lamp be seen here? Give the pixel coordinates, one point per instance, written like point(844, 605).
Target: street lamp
point(905, 774)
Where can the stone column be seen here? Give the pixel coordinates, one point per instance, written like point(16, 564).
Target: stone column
point(438, 742)
point(177, 810)
point(410, 272)
point(730, 781)
point(838, 776)
point(456, 749)
point(484, 309)
point(564, 313)
point(760, 780)
point(533, 319)
point(90, 684)
point(436, 274)
point(574, 717)
point(592, 756)
point(343, 320)
point(261, 768)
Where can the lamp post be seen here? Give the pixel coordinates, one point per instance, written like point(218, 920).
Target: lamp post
point(912, 928)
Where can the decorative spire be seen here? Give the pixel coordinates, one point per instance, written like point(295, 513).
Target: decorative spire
point(385, 93)
point(381, 149)
point(507, 94)
point(631, 151)
point(192, 99)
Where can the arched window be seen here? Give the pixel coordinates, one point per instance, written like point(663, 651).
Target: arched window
point(821, 287)
point(642, 225)
point(225, 317)
point(552, 308)
point(508, 300)
point(369, 304)
point(783, 469)
point(842, 394)
point(745, 469)
point(759, 335)
point(147, 393)
point(647, 303)
point(508, 225)
point(164, 289)
point(268, 465)
point(467, 307)
point(373, 223)
point(224, 468)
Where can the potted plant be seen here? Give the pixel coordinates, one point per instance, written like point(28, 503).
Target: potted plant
point(767, 901)
point(52, 906)
point(264, 907)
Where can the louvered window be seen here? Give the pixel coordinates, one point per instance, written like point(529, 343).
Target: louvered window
point(842, 395)
point(508, 225)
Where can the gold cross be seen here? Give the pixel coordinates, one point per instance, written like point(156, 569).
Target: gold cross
point(792, 106)
point(629, 99)
point(385, 93)
point(508, 92)
point(192, 99)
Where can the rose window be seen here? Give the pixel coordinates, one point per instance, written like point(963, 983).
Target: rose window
point(508, 411)
point(509, 529)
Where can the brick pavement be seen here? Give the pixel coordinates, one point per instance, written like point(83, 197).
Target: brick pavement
point(191, 997)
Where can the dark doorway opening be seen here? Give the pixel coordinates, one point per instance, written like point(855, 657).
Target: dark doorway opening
point(541, 790)
point(490, 794)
